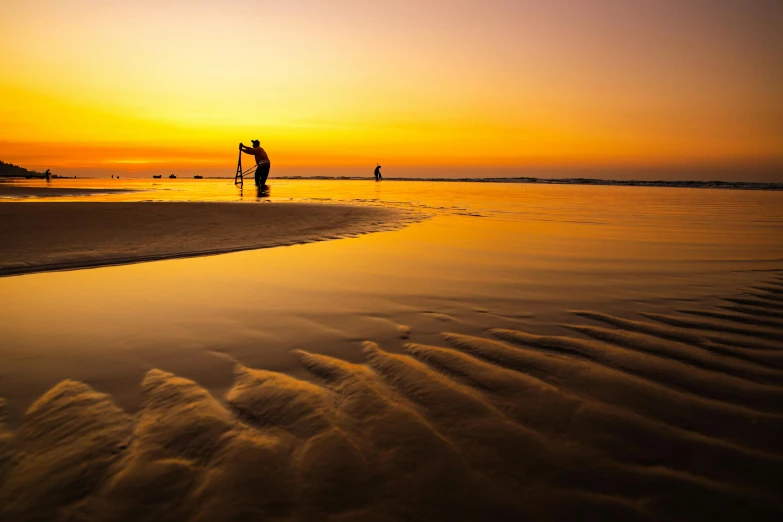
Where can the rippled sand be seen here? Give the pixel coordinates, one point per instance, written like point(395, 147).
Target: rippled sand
point(667, 416)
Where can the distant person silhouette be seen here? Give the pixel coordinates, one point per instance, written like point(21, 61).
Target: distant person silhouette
point(262, 161)
point(377, 173)
point(48, 175)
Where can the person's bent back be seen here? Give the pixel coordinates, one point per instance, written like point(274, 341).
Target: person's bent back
point(262, 161)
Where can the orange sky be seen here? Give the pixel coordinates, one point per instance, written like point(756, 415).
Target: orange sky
point(96, 87)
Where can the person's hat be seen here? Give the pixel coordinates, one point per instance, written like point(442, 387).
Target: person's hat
point(255, 143)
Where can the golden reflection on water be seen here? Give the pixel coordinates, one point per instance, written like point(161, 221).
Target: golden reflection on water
point(489, 255)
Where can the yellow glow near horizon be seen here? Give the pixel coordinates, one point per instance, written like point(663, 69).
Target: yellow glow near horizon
point(96, 85)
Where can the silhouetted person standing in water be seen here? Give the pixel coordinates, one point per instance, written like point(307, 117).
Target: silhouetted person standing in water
point(262, 161)
point(48, 175)
point(377, 173)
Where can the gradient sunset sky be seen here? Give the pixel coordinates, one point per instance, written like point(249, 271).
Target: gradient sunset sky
point(93, 87)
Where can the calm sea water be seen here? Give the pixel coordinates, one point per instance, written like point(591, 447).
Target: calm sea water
point(488, 255)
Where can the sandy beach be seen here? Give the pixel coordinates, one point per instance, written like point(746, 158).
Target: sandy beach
point(61, 236)
point(16, 191)
point(545, 355)
point(677, 416)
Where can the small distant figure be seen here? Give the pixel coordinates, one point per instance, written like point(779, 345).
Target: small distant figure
point(112, 176)
point(48, 175)
point(377, 172)
point(263, 165)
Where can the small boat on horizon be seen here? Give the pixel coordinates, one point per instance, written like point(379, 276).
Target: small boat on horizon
point(157, 177)
point(198, 177)
point(172, 176)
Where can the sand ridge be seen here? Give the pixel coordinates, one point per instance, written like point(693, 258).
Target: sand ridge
point(15, 191)
point(37, 237)
point(664, 417)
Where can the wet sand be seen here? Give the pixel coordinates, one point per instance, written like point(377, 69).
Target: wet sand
point(586, 362)
point(60, 236)
point(17, 191)
point(673, 416)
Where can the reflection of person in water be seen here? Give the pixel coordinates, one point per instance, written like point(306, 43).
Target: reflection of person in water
point(377, 173)
point(262, 191)
point(262, 161)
